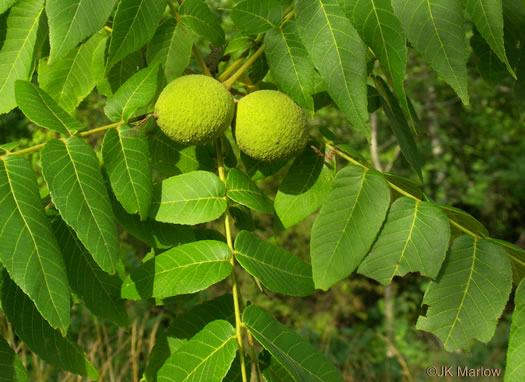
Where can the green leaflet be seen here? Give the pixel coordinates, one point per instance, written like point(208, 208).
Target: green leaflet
point(191, 198)
point(304, 188)
point(414, 238)
point(517, 256)
point(298, 357)
point(257, 16)
point(41, 109)
point(467, 299)
point(277, 269)
point(38, 336)
point(206, 357)
point(71, 21)
point(71, 171)
point(126, 158)
point(197, 16)
point(241, 189)
point(184, 269)
point(11, 369)
point(6, 4)
point(338, 54)
point(16, 54)
point(437, 30)
point(29, 250)
point(347, 224)
point(515, 367)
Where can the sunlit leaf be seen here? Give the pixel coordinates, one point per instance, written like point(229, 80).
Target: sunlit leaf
point(6, 4)
point(184, 269)
point(29, 250)
point(277, 269)
point(197, 16)
point(347, 224)
point(191, 198)
point(257, 16)
point(241, 189)
point(469, 296)
point(71, 170)
point(298, 357)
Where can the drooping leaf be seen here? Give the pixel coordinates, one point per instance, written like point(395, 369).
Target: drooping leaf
point(41, 109)
point(206, 357)
point(172, 158)
point(489, 66)
point(277, 269)
point(11, 369)
point(403, 132)
point(71, 171)
point(70, 79)
point(299, 358)
point(71, 21)
point(257, 16)
point(515, 365)
point(171, 48)
point(338, 54)
point(304, 188)
point(241, 189)
point(38, 336)
point(347, 224)
point(191, 198)
point(197, 16)
point(184, 269)
point(461, 218)
point(29, 251)
point(290, 64)
point(185, 326)
point(126, 158)
point(437, 30)
point(487, 15)
point(98, 290)
point(467, 299)
point(380, 29)
point(414, 238)
point(134, 25)
point(135, 93)
point(153, 233)
point(16, 54)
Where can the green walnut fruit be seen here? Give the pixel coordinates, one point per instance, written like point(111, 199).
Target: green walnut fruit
point(269, 126)
point(194, 109)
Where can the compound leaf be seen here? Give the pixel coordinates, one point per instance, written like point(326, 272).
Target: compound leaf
point(468, 297)
point(29, 250)
point(241, 189)
point(71, 171)
point(277, 269)
point(347, 224)
point(298, 357)
point(184, 269)
point(197, 16)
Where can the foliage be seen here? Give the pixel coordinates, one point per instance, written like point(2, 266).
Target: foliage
point(60, 245)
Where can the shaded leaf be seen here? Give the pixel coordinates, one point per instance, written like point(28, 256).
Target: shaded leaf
point(290, 65)
point(71, 171)
point(191, 198)
point(29, 250)
point(517, 257)
point(198, 17)
point(515, 365)
point(11, 369)
point(206, 357)
point(298, 357)
point(134, 25)
point(38, 336)
point(277, 269)
point(401, 183)
point(489, 66)
point(469, 296)
point(464, 219)
point(16, 54)
point(137, 92)
point(258, 170)
point(98, 290)
point(257, 16)
point(184, 269)
point(41, 109)
point(171, 47)
point(437, 30)
point(414, 238)
point(304, 188)
point(272, 370)
point(241, 189)
point(119, 73)
point(71, 21)
point(347, 224)
point(338, 54)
